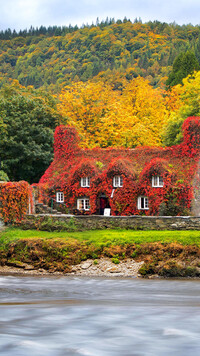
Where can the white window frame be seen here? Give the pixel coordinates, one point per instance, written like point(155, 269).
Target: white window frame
point(117, 181)
point(85, 182)
point(157, 181)
point(83, 204)
point(143, 203)
point(60, 197)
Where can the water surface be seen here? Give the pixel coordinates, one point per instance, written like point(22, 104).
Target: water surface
point(66, 316)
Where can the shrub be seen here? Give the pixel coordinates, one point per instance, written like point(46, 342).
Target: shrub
point(115, 260)
point(147, 268)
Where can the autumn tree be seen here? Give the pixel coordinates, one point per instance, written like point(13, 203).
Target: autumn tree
point(105, 117)
point(84, 106)
point(188, 104)
point(146, 109)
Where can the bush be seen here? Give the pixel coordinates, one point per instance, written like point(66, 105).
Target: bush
point(174, 269)
point(147, 269)
point(115, 260)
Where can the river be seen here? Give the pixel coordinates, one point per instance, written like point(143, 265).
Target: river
point(73, 316)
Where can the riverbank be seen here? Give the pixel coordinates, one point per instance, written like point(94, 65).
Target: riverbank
point(102, 267)
point(101, 253)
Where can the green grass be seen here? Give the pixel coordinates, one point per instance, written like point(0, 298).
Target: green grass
point(105, 237)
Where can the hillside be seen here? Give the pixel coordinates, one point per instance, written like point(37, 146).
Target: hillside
point(54, 57)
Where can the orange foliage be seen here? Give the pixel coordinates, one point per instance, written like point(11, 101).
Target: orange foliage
point(14, 201)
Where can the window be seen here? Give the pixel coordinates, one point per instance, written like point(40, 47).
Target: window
point(83, 204)
point(118, 181)
point(157, 181)
point(59, 197)
point(143, 203)
point(85, 182)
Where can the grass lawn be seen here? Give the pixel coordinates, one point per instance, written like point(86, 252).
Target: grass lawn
point(105, 237)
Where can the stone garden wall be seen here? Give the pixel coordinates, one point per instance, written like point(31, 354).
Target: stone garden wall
point(92, 222)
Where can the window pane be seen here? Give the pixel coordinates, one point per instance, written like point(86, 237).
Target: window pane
point(87, 204)
point(146, 202)
point(142, 202)
point(84, 181)
point(81, 204)
point(154, 181)
point(161, 181)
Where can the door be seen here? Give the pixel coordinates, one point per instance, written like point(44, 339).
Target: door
point(104, 203)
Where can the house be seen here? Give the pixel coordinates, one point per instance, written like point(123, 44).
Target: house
point(144, 180)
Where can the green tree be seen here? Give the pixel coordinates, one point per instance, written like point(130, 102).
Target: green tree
point(26, 148)
point(173, 133)
point(184, 64)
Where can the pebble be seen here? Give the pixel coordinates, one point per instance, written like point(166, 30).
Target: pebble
point(154, 276)
point(113, 270)
point(86, 265)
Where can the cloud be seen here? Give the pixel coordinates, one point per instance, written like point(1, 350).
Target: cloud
point(20, 14)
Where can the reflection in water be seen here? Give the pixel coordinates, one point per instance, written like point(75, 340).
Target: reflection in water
point(69, 316)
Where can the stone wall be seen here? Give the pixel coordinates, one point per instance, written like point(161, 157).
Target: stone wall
point(92, 222)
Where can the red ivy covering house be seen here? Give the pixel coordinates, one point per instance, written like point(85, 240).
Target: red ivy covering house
point(144, 180)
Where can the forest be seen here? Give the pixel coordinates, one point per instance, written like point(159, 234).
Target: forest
point(54, 57)
point(120, 83)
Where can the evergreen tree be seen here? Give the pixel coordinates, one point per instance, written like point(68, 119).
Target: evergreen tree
point(184, 64)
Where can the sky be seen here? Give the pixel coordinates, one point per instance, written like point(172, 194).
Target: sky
point(22, 14)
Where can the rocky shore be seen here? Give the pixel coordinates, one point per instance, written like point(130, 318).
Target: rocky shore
point(105, 267)
point(100, 267)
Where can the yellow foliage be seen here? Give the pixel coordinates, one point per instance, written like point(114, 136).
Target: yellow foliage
point(106, 117)
point(187, 102)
